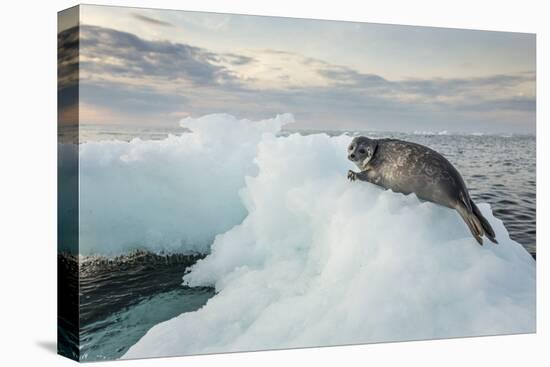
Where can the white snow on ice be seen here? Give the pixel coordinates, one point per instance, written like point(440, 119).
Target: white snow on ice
point(317, 260)
point(172, 195)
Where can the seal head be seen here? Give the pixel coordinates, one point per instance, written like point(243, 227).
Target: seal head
point(361, 150)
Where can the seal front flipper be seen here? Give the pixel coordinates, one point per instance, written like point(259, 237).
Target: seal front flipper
point(362, 176)
point(352, 176)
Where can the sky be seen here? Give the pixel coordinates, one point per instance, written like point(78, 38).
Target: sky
point(146, 67)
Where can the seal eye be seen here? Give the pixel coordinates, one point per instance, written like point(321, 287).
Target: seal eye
point(362, 151)
point(350, 147)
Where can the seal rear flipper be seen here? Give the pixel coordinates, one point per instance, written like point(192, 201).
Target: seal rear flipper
point(489, 232)
point(471, 221)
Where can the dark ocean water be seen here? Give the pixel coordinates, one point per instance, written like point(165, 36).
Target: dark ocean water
point(122, 298)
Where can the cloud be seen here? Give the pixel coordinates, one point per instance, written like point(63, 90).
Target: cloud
point(150, 20)
point(142, 100)
point(128, 105)
point(147, 78)
point(235, 59)
point(342, 75)
point(478, 94)
point(526, 104)
point(121, 54)
point(67, 57)
point(442, 86)
point(67, 77)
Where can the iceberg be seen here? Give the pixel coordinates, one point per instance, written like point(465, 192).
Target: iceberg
point(314, 260)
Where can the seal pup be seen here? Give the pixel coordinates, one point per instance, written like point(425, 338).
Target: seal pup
point(407, 168)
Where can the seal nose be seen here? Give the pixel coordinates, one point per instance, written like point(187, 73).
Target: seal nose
point(351, 156)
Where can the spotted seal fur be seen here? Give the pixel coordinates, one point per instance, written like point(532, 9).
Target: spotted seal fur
point(406, 167)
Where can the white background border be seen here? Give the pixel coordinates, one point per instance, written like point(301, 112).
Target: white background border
point(28, 181)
